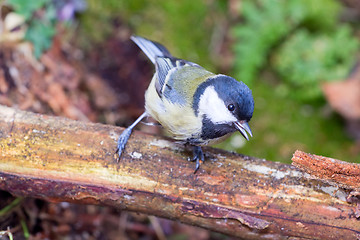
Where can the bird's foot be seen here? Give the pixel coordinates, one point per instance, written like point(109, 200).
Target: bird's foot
point(123, 139)
point(198, 157)
point(125, 135)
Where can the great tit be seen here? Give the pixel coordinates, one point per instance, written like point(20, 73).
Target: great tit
point(195, 106)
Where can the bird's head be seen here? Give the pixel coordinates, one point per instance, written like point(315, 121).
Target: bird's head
point(225, 106)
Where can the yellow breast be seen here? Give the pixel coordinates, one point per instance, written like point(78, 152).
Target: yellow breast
point(179, 120)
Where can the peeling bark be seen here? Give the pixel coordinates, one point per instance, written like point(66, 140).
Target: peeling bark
point(342, 173)
point(57, 159)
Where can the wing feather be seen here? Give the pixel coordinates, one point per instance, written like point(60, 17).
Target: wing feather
point(150, 48)
point(166, 65)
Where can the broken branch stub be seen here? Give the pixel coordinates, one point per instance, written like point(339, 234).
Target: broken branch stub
point(342, 173)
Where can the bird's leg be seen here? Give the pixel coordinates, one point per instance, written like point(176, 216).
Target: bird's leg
point(198, 157)
point(125, 135)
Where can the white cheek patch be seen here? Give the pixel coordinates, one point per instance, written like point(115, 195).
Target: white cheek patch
point(213, 107)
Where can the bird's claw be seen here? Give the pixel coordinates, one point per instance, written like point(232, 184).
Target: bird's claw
point(198, 157)
point(123, 139)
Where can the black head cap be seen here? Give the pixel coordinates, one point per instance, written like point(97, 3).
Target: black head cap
point(236, 95)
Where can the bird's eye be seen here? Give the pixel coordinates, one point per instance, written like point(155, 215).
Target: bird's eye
point(231, 107)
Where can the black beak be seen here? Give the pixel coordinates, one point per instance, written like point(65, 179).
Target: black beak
point(243, 128)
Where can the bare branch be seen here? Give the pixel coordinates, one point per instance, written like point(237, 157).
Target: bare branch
point(57, 159)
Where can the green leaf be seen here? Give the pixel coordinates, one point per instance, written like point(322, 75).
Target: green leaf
point(40, 33)
point(26, 8)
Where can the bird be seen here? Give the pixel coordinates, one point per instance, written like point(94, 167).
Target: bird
point(195, 106)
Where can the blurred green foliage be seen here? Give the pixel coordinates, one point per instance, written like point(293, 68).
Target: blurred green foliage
point(42, 31)
point(42, 16)
point(41, 28)
point(281, 125)
point(317, 58)
point(302, 38)
point(27, 8)
point(185, 27)
point(291, 37)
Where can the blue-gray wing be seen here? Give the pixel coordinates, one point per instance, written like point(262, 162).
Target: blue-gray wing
point(164, 62)
point(150, 48)
point(166, 67)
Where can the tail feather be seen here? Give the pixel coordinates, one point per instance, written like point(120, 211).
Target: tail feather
point(150, 48)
